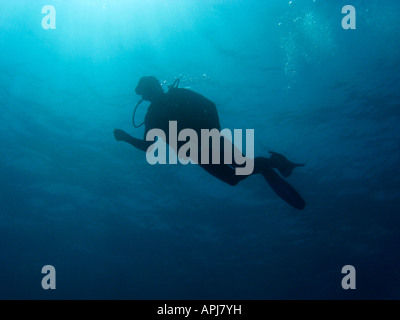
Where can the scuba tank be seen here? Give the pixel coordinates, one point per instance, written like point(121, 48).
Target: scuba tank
point(197, 111)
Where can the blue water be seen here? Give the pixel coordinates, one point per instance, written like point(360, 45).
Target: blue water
point(115, 227)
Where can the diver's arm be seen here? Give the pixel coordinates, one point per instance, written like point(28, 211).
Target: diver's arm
point(121, 135)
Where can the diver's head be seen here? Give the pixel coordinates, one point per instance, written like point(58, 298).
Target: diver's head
point(149, 88)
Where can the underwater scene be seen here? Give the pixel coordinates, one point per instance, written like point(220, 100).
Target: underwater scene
point(90, 210)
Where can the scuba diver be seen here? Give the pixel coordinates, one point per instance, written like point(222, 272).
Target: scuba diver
point(192, 110)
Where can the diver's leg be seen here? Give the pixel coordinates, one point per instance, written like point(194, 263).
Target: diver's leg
point(282, 188)
point(264, 166)
point(223, 172)
point(283, 165)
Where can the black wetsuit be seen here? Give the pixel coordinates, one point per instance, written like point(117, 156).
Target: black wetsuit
point(191, 110)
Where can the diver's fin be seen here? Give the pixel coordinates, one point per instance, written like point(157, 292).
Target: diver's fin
point(284, 166)
point(283, 189)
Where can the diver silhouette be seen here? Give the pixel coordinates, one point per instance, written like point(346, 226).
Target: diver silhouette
point(192, 110)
